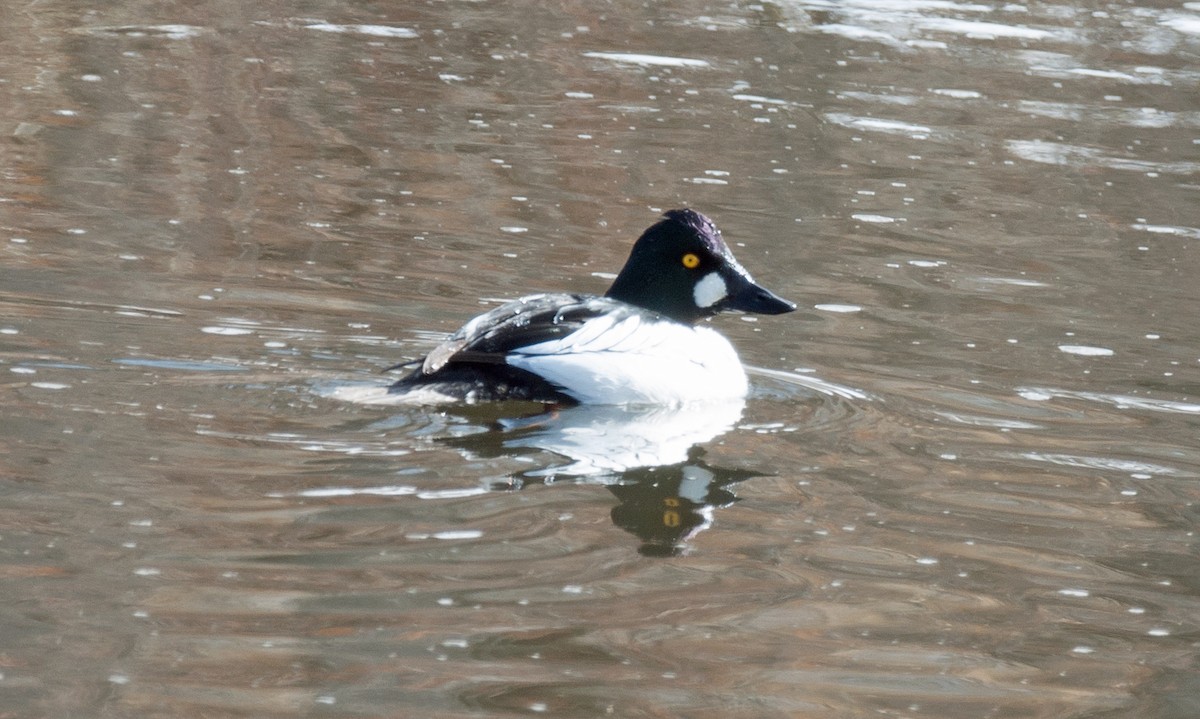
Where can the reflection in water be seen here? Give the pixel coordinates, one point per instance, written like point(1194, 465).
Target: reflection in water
point(647, 456)
point(603, 442)
point(665, 506)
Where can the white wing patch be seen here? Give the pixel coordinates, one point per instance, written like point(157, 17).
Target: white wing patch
point(637, 360)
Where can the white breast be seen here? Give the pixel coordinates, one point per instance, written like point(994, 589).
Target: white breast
point(638, 360)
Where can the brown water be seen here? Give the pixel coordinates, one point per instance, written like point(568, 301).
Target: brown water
point(965, 484)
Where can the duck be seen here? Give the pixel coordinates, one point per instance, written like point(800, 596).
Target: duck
point(644, 342)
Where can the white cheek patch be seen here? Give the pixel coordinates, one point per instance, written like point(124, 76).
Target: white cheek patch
point(710, 290)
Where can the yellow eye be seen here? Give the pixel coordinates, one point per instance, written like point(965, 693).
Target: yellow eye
point(691, 261)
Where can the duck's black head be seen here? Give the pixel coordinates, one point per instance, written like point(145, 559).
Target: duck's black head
point(681, 268)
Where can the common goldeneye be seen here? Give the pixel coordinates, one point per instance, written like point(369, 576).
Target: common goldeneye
point(638, 344)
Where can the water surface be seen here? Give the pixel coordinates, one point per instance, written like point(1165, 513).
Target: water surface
point(965, 481)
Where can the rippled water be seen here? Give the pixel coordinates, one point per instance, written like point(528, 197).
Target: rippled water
point(965, 483)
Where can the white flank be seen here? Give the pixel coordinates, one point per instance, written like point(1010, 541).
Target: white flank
point(710, 290)
point(638, 361)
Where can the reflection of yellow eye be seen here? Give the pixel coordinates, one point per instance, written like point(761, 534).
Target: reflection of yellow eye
point(691, 261)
